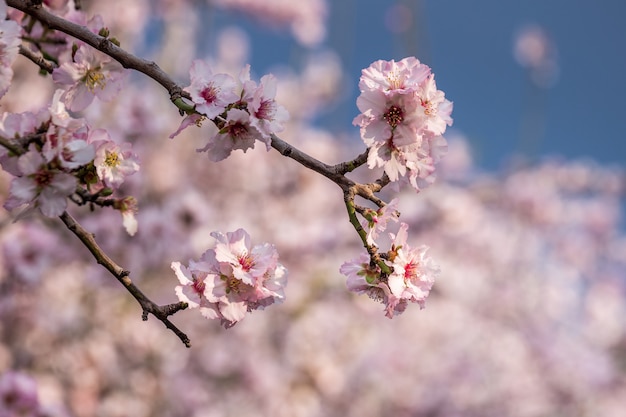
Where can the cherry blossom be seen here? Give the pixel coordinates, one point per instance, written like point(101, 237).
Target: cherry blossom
point(236, 133)
point(113, 162)
point(41, 186)
point(375, 221)
point(403, 116)
point(265, 113)
point(91, 74)
point(232, 279)
point(211, 93)
point(412, 277)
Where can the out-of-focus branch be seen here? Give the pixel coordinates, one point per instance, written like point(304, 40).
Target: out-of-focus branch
point(147, 305)
point(37, 59)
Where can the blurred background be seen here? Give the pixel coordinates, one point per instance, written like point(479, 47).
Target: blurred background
point(528, 316)
point(530, 77)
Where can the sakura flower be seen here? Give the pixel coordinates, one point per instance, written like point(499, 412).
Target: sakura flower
point(113, 162)
point(383, 117)
point(91, 74)
point(435, 109)
point(247, 263)
point(413, 271)
point(10, 41)
point(265, 114)
point(411, 279)
point(236, 133)
point(44, 187)
point(375, 221)
point(67, 146)
point(211, 93)
point(232, 279)
point(389, 77)
point(191, 290)
point(364, 278)
point(403, 116)
point(128, 208)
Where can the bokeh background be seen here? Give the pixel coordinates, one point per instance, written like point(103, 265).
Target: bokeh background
point(528, 317)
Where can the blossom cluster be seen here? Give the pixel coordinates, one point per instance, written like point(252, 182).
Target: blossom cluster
point(61, 155)
point(412, 277)
point(242, 110)
point(403, 117)
point(232, 279)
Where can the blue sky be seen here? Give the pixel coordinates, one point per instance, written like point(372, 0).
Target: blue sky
point(469, 45)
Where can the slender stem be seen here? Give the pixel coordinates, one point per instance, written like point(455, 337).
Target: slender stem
point(122, 275)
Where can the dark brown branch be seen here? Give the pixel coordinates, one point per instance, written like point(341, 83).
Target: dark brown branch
point(147, 305)
point(37, 59)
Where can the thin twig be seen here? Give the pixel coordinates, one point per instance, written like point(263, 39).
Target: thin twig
point(37, 59)
point(122, 275)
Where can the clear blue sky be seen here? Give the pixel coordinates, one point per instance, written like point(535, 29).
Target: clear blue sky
point(469, 44)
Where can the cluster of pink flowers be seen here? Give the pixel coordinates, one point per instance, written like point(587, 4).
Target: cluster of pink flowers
point(242, 110)
point(232, 279)
point(412, 277)
point(63, 154)
point(403, 117)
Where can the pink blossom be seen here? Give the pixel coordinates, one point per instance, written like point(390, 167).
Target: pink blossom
point(375, 221)
point(413, 274)
point(364, 278)
point(403, 116)
point(191, 290)
point(247, 263)
point(211, 93)
point(265, 113)
point(113, 162)
point(91, 74)
point(435, 109)
point(128, 208)
point(44, 187)
point(232, 279)
point(413, 271)
point(393, 77)
point(68, 146)
point(237, 133)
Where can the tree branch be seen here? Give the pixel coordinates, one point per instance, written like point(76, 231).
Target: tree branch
point(147, 305)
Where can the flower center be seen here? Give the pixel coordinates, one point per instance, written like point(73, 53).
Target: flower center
point(112, 159)
point(429, 108)
point(209, 94)
point(198, 285)
point(94, 78)
point(43, 178)
point(395, 82)
point(394, 116)
point(246, 262)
